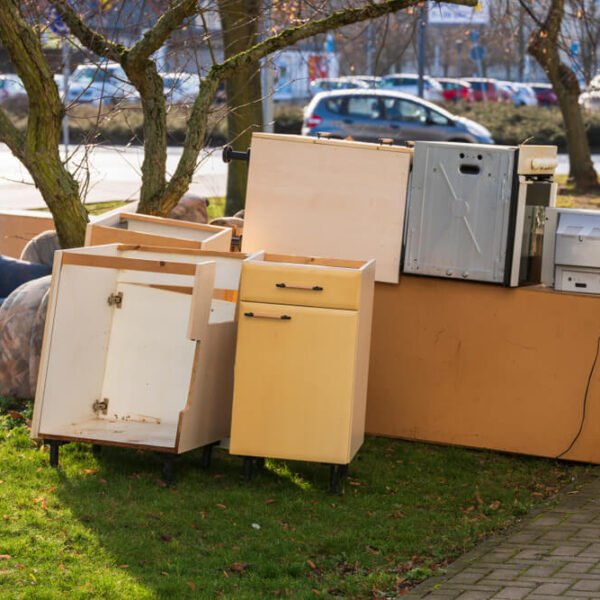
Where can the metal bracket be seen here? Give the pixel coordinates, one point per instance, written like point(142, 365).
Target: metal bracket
point(100, 406)
point(116, 300)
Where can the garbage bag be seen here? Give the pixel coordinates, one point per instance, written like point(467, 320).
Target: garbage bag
point(22, 321)
point(14, 272)
point(41, 248)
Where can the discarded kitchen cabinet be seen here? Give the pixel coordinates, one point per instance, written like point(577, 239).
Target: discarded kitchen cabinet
point(132, 228)
point(476, 212)
point(139, 348)
point(327, 197)
point(302, 358)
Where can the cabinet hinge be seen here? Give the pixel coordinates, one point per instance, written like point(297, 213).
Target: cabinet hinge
point(116, 300)
point(100, 406)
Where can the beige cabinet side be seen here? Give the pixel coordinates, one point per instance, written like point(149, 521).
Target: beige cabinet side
point(363, 347)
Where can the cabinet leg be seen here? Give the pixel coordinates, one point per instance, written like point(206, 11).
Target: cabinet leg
point(96, 449)
point(336, 474)
point(206, 456)
point(247, 468)
point(54, 446)
point(167, 473)
point(260, 463)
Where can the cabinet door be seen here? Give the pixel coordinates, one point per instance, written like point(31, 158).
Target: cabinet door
point(294, 377)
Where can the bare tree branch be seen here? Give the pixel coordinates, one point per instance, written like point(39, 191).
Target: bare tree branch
point(12, 137)
point(155, 37)
point(337, 19)
point(90, 38)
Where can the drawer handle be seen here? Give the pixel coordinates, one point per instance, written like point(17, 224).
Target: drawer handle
point(263, 316)
point(310, 288)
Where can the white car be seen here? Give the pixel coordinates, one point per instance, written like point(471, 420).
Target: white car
point(104, 83)
point(11, 86)
point(523, 95)
point(590, 99)
point(180, 88)
point(408, 83)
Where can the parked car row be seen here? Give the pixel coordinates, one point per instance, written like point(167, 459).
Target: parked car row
point(446, 89)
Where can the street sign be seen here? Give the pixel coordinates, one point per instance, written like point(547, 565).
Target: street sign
point(440, 13)
point(474, 35)
point(477, 53)
point(55, 22)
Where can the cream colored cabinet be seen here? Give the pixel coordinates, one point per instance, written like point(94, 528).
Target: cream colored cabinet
point(139, 348)
point(302, 358)
point(127, 227)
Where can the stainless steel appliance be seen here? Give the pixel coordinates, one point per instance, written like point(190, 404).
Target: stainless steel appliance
point(476, 212)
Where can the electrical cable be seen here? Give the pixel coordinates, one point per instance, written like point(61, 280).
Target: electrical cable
point(585, 399)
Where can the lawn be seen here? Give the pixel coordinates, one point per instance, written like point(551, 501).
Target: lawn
point(106, 526)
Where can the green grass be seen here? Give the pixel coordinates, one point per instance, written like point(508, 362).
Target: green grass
point(216, 207)
point(106, 527)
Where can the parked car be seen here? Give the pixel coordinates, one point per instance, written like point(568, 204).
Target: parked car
point(409, 84)
point(506, 91)
point(455, 89)
point(335, 83)
point(523, 95)
point(371, 80)
point(590, 98)
point(484, 89)
point(545, 94)
point(11, 86)
point(180, 88)
point(369, 115)
point(105, 83)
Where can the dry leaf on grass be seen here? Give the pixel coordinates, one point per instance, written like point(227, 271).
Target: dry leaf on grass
point(311, 564)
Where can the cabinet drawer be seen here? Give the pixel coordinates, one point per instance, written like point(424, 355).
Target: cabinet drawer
point(301, 285)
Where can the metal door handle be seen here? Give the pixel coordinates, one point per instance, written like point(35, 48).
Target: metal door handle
point(264, 316)
point(313, 288)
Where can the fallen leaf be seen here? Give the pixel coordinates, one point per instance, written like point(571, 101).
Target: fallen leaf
point(102, 480)
point(226, 573)
point(495, 504)
point(317, 592)
point(89, 471)
point(478, 498)
point(371, 550)
point(5, 556)
point(190, 585)
point(221, 506)
point(311, 564)
point(537, 494)
point(44, 505)
point(61, 566)
point(238, 567)
point(271, 501)
point(17, 416)
point(218, 476)
point(203, 514)
point(355, 483)
point(165, 537)
point(194, 526)
point(395, 515)
point(163, 573)
point(123, 566)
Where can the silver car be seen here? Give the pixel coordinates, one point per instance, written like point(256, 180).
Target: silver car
point(369, 115)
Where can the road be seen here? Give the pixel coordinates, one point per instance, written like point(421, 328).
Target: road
point(114, 174)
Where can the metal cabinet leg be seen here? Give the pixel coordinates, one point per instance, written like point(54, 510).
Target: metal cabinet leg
point(96, 449)
point(54, 446)
point(167, 474)
point(260, 463)
point(336, 474)
point(206, 456)
point(247, 468)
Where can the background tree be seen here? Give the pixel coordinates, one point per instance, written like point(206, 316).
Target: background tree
point(545, 46)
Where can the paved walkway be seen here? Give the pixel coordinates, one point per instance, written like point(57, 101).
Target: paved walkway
point(553, 554)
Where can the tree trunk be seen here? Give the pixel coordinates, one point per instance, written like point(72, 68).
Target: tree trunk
point(39, 149)
point(243, 91)
point(544, 47)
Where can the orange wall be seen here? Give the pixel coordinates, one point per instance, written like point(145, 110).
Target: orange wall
point(485, 366)
point(18, 227)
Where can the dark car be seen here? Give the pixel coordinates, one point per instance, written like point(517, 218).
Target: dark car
point(369, 115)
point(455, 89)
point(545, 94)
